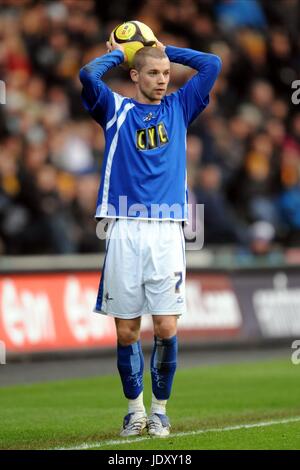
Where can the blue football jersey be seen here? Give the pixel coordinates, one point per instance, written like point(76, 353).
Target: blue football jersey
point(144, 167)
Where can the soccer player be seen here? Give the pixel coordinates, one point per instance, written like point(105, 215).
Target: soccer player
point(144, 194)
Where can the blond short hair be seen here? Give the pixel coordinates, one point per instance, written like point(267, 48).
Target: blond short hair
point(148, 51)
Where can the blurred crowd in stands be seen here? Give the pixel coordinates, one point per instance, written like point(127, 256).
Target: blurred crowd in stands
point(243, 152)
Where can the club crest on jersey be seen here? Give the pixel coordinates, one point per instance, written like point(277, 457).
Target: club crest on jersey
point(148, 117)
point(151, 137)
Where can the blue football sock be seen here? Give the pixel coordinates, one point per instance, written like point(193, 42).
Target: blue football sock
point(131, 368)
point(163, 366)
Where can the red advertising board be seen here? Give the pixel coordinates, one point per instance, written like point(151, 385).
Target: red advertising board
point(49, 311)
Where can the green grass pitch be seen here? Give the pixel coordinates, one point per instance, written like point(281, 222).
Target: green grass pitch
point(206, 403)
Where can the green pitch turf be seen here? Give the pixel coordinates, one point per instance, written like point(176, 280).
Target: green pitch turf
point(209, 400)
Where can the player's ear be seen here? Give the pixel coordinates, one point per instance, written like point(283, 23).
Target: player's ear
point(134, 75)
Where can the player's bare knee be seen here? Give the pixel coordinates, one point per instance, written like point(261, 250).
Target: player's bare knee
point(164, 333)
point(125, 339)
point(165, 330)
point(128, 331)
point(127, 335)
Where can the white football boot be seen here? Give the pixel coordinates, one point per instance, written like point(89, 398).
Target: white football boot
point(158, 425)
point(134, 424)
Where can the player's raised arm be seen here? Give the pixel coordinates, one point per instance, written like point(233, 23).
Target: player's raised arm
point(195, 93)
point(95, 92)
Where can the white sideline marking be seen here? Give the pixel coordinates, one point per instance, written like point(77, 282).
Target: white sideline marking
point(262, 424)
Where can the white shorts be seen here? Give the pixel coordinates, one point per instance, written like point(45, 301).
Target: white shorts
point(144, 269)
